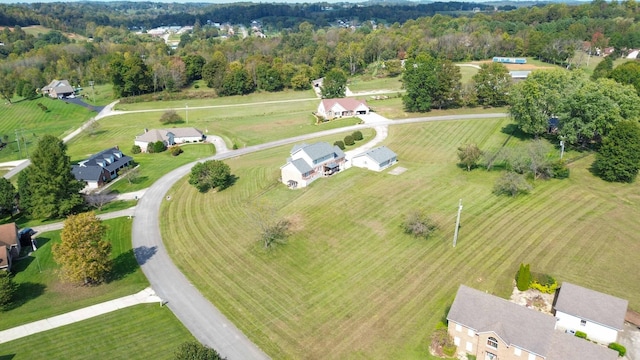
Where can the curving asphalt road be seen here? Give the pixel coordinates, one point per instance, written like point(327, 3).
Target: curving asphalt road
point(197, 314)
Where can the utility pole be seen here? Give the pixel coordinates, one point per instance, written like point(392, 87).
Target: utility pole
point(561, 149)
point(25, 143)
point(18, 141)
point(187, 111)
point(455, 234)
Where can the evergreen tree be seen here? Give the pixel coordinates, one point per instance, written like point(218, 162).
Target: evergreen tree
point(619, 157)
point(52, 190)
point(7, 196)
point(524, 277)
point(7, 289)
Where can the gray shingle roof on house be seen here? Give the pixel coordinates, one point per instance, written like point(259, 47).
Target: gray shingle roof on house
point(569, 347)
point(302, 166)
point(592, 305)
point(91, 173)
point(516, 325)
point(318, 150)
point(380, 154)
point(90, 169)
point(154, 135)
point(60, 86)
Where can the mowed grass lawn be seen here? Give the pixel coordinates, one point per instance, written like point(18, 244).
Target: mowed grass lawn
point(31, 122)
point(41, 293)
point(350, 284)
point(140, 332)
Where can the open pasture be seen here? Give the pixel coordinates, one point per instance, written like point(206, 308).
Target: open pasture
point(31, 121)
point(350, 284)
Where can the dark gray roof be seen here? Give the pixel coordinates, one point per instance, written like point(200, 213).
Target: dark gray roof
point(302, 166)
point(592, 305)
point(380, 154)
point(516, 325)
point(82, 173)
point(569, 347)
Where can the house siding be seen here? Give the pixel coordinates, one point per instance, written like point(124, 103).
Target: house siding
point(594, 331)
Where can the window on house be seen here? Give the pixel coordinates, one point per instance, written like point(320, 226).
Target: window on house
point(470, 332)
point(458, 327)
point(517, 352)
point(583, 322)
point(469, 346)
point(456, 341)
point(532, 357)
point(492, 342)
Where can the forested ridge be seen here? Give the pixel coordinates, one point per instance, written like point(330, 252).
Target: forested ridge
point(302, 42)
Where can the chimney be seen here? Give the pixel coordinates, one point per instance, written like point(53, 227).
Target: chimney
point(146, 130)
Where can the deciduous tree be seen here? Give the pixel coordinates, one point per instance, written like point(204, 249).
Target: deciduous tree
point(492, 83)
point(210, 174)
point(512, 184)
point(469, 155)
point(334, 84)
point(419, 224)
point(53, 191)
point(193, 350)
point(420, 82)
point(627, 73)
point(619, 156)
point(213, 71)
point(83, 254)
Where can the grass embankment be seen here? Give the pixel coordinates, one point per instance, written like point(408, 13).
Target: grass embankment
point(139, 332)
point(41, 294)
point(351, 281)
point(30, 121)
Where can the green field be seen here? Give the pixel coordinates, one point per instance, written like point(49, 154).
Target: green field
point(351, 281)
point(393, 109)
point(361, 83)
point(31, 122)
point(139, 332)
point(41, 294)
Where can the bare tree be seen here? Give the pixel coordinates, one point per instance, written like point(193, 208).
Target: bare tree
point(131, 174)
point(273, 230)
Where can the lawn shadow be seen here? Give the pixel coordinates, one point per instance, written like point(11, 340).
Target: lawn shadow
point(144, 253)
point(514, 130)
point(25, 292)
point(123, 265)
point(7, 357)
point(443, 319)
point(231, 181)
point(41, 241)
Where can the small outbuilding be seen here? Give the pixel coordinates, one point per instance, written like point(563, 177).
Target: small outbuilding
point(376, 159)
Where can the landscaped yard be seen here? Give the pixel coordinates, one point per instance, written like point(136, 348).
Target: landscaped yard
point(140, 332)
point(351, 281)
point(41, 294)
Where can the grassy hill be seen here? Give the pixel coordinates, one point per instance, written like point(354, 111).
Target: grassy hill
point(351, 284)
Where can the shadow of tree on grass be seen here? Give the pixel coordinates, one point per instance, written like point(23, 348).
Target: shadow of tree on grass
point(123, 265)
point(26, 291)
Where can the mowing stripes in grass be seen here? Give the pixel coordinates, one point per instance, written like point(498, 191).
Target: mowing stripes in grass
point(350, 280)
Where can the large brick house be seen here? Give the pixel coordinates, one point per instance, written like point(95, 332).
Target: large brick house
point(492, 328)
point(9, 245)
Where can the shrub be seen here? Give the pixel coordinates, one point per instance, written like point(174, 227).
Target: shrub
point(449, 349)
point(348, 140)
point(136, 149)
point(559, 170)
point(543, 283)
point(581, 335)
point(176, 151)
point(196, 86)
point(339, 144)
point(419, 224)
point(42, 107)
point(357, 135)
point(523, 279)
point(619, 348)
point(170, 117)
point(158, 146)
point(235, 146)
point(512, 184)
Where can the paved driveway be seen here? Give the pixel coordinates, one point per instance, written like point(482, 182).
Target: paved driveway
point(78, 101)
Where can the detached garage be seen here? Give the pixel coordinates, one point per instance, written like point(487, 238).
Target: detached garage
point(376, 159)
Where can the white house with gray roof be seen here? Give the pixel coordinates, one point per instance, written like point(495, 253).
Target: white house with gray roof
point(310, 162)
point(58, 89)
point(376, 159)
point(169, 137)
point(600, 316)
point(492, 328)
